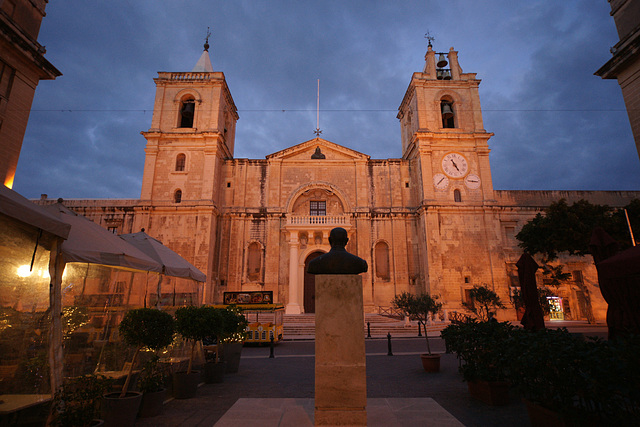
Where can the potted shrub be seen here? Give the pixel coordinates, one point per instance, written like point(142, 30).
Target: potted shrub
point(152, 385)
point(77, 402)
point(576, 381)
point(141, 328)
point(214, 367)
point(484, 302)
point(234, 326)
point(191, 323)
point(484, 348)
point(420, 307)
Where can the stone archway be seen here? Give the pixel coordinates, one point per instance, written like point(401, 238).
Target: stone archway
point(310, 284)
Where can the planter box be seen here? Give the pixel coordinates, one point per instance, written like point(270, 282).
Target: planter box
point(152, 403)
point(494, 393)
point(543, 417)
point(185, 386)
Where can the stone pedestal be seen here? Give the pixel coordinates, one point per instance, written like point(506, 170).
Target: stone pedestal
point(341, 377)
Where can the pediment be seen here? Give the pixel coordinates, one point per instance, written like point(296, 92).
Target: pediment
point(314, 149)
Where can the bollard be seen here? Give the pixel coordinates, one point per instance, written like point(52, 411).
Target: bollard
point(271, 347)
point(368, 329)
point(419, 330)
point(389, 353)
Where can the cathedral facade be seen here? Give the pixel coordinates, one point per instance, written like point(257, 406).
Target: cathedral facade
point(430, 221)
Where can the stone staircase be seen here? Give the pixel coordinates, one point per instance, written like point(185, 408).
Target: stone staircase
point(303, 326)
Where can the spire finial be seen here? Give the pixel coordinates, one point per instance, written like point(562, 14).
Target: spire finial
point(429, 37)
point(206, 40)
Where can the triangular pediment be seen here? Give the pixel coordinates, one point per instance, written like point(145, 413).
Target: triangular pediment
point(315, 149)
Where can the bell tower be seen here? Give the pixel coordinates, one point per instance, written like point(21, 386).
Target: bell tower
point(192, 132)
point(442, 132)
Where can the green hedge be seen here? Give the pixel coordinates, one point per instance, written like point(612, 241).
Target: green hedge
point(586, 380)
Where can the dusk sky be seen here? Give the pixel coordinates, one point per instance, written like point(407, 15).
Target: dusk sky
point(556, 125)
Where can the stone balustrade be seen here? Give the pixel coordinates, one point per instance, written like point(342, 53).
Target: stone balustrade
point(327, 220)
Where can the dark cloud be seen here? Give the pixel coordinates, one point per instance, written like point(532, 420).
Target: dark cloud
point(556, 125)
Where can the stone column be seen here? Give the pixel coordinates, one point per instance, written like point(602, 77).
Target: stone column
point(341, 377)
point(293, 307)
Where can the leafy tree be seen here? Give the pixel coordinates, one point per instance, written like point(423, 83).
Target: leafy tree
point(568, 228)
point(418, 307)
point(484, 301)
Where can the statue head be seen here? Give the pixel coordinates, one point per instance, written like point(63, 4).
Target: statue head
point(338, 237)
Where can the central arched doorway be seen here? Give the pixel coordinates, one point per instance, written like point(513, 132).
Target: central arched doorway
point(310, 285)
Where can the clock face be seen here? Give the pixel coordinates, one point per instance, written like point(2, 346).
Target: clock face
point(440, 181)
point(455, 165)
point(472, 181)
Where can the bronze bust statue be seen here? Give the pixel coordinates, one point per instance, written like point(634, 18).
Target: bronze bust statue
point(338, 260)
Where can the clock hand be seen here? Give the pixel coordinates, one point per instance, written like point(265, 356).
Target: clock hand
point(441, 180)
point(454, 165)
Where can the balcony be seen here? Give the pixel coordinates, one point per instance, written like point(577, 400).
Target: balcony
point(315, 221)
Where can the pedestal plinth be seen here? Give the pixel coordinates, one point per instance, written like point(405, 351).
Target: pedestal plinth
point(341, 377)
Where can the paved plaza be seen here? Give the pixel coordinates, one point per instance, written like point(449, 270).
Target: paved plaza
point(391, 380)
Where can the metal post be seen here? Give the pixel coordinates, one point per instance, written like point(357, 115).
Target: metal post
point(419, 330)
point(389, 353)
point(271, 347)
point(368, 329)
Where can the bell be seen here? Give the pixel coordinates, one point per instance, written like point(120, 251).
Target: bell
point(442, 62)
point(440, 74)
point(446, 111)
point(446, 75)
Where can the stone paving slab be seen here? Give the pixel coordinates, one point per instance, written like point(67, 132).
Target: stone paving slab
point(381, 412)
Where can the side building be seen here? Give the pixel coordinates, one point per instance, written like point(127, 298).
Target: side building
point(429, 221)
point(624, 65)
point(22, 66)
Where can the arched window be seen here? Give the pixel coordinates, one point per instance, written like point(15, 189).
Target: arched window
point(187, 112)
point(448, 117)
point(382, 261)
point(177, 196)
point(457, 197)
point(181, 160)
point(254, 262)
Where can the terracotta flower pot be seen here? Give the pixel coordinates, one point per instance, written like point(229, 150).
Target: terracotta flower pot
point(120, 411)
point(495, 393)
point(431, 362)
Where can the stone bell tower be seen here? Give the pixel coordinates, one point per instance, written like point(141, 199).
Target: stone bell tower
point(442, 130)
point(192, 132)
point(444, 141)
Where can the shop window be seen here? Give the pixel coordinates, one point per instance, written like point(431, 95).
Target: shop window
point(177, 196)
point(317, 208)
point(187, 112)
point(457, 197)
point(253, 262)
point(181, 160)
point(382, 261)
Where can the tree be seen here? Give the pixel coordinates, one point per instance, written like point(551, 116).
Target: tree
point(568, 228)
point(418, 307)
point(483, 302)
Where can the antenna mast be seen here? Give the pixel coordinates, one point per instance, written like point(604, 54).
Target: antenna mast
point(318, 131)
